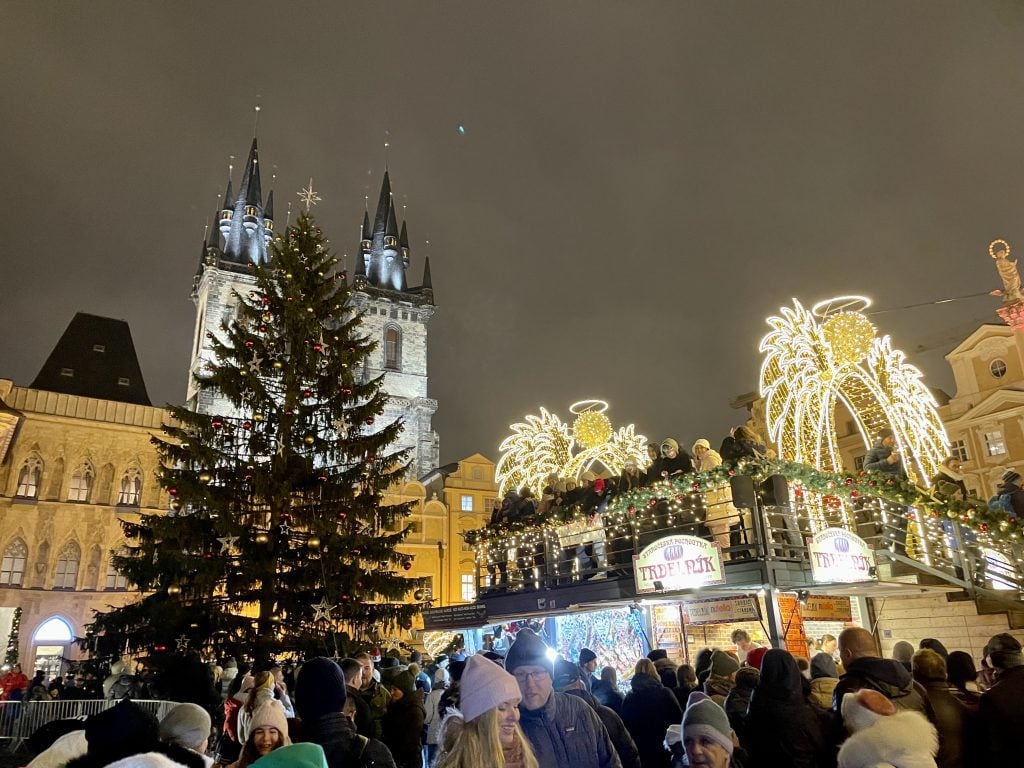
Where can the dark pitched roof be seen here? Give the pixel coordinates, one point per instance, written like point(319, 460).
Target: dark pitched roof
point(367, 234)
point(268, 209)
point(92, 359)
point(380, 221)
point(250, 188)
point(403, 239)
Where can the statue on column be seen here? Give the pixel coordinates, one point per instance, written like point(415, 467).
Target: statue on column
point(1012, 310)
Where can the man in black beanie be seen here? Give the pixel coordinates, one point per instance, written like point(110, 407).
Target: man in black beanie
point(562, 729)
point(999, 711)
point(320, 695)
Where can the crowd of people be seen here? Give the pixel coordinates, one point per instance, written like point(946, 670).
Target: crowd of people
point(740, 707)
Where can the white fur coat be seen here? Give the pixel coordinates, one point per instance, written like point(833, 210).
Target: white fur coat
point(903, 740)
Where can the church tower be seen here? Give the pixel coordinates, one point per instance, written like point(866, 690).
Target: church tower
point(394, 314)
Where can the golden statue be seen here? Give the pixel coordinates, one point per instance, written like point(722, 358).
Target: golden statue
point(999, 250)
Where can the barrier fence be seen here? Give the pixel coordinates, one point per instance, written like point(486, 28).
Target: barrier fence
point(20, 719)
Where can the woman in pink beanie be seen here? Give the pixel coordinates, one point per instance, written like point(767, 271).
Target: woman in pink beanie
point(491, 737)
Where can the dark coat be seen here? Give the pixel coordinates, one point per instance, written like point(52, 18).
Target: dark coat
point(608, 696)
point(364, 721)
point(648, 711)
point(877, 460)
point(682, 464)
point(343, 746)
point(781, 727)
point(185, 757)
point(402, 730)
point(1016, 497)
point(953, 722)
point(1001, 718)
point(566, 732)
point(624, 745)
point(889, 678)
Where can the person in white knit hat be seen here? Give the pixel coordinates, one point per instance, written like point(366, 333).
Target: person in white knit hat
point(491, 736)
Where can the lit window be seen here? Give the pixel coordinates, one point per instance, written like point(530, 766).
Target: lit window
point(997, 368)
point(81, 484)
point(994, 443)
point(131, 488)
point(958, 450)
point(28, 478)
point(98, 348)
point(392, 348)
point(12, 569)
point(467, 503)
point(468, 588)
point(123, 382)
point(67, 372)
point(115, 579)
point(66, 575)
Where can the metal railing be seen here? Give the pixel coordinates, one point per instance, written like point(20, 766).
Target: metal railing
point(20, 719)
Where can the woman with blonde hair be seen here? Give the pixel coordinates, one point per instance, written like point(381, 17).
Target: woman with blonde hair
point(490, 736)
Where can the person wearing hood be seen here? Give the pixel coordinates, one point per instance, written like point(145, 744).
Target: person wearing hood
point(562, 730)
point(648, 710)
point(999, 710)
point(738, 701)
point(781, 727)
point(320, 694)
point(883, 735)
point(674, 460)
point(865, 669)
point(824, 679)
point(568, 680)
point(963, 676)
point(1010, 485)
point(402, 725)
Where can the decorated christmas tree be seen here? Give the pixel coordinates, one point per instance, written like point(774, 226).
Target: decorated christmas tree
point(278, 538)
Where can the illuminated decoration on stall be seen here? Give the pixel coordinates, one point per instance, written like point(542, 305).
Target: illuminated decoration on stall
point(839, 556)
point(815, 359)
point(678, 562)
point(435, 643)
point(543, 445)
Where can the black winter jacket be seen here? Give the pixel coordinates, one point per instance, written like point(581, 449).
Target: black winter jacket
point(402, 730)
point(953, 722)
point(889, 678)
point(343, 746)
point(624, 745)
point(648, 711)
point(1001, 718)
point(566, 732)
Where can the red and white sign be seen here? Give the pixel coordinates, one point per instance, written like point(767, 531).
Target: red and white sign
point(722, 610)
point(840, 556)
point(678, 562)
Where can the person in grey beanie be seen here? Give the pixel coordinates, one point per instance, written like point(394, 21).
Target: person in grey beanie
point(188, 726)
point(707, 736)
point(562, 729)
point(1000, 714)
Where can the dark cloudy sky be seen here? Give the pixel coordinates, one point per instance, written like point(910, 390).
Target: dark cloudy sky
point(639, 183)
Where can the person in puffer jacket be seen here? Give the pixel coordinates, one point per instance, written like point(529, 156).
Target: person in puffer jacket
point(824, 679)
point(881, 735)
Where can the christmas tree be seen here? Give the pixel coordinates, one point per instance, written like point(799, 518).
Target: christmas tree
point(278, 538)
point(13, 639)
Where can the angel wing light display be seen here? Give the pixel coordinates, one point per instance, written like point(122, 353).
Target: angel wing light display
point(832, 354)
point(543, 445)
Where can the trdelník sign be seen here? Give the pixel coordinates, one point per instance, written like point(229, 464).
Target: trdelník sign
point(678, 562)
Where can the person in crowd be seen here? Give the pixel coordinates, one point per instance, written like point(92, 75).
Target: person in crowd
point(884, 456)
point(674, 460)
point(228, 745)
point(665, 667)
point(13, 680)
point(1010, 486)
point(903, 652)
point(268, 730)
point(884, 735)
point(261, 692)
point(742, 444)
point(829, 644)
point(948, 484)
point(490, 735)
point(812, 647)
point(434, 714)
point(587, 664)
point(722, 676)
point(1000, 710)
point(294, 756)
point(744, 645)
point(738, 701)
point(606, 690)
point(781, 727)
point(568, 679)
point(631, 477)
point(320, 694)
point(353, 672)
point(963, 676)
point(952, 720)
point(708, 739)
point(702, 665)
point(450, 698)
point(824, 679)
point(866, 669)
point(281, 690)
point(653, 463)
point(402, 725)
point(754, 657)
point(686, 683)
point(721, 515)
point(648, 710)
point(374, 694)
point(187, 726)
point(934, 645)
point(562, 730)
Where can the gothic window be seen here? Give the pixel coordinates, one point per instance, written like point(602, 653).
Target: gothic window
point(12, 569)
point(29, 477)
point(116, 581)
point(131, 488)
point(81, 483)
point(392, 348)
point(66, 575)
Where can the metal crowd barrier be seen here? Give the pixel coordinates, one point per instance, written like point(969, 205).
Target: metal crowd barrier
point(20, 719)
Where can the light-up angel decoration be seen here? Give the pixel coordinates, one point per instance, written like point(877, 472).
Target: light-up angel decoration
point(543, 445)
point(832, 353)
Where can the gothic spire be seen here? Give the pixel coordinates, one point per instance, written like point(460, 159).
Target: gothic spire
point(380, 220)
point(403, 239)
point(367, 234)
point(250, 188)
point(229, 198)
point(392, 229)
point(268, 209)
point(426, 274)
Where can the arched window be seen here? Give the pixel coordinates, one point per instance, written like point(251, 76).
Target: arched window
point(392, 348)
point(12, 569)
point(131, 488)
point(81, 483)
point(29, 478)
point(66, 575)
point(53, 630)
point(115, 579)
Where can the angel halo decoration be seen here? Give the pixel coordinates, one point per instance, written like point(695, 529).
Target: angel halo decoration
point(543, 445)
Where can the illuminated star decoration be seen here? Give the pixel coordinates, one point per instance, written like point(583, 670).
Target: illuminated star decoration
point(254, 364)
point(284, 528)
point(308, 196)
point(182, 643)
point(226, 543)
point(323, 610)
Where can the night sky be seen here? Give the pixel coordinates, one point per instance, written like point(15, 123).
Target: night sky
point(637, 187)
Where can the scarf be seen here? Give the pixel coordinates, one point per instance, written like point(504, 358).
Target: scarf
point(513, 754)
